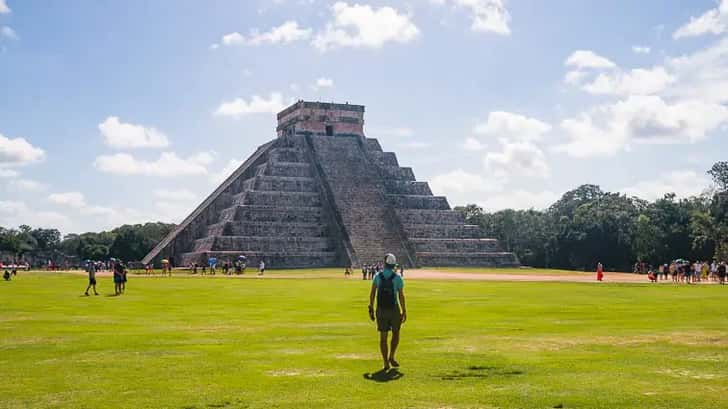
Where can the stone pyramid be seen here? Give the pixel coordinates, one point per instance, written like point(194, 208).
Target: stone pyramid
point(322, 194)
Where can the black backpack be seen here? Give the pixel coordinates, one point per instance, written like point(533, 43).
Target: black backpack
point(385, 293)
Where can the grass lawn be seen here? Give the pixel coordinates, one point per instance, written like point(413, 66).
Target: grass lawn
point(293, 343)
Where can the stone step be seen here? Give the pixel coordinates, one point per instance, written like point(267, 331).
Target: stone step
point(427, 202)
point(278, 199)
point(383, 158)
point(268, 229)
point(263, 244)
point(288, 155)
point(422, 216)
point(430, 245)
point(291, 169)
point(404, 187)
point(445, 231)
point(291, 214)
point(281, 184)
point(397, 173)
point(372, 145)
point(489, 259)
point(273, 260)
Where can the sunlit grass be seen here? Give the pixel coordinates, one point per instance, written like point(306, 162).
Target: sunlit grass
point(194, 342)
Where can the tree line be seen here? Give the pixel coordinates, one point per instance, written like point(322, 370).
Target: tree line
point(127, 242)
point(588, 225)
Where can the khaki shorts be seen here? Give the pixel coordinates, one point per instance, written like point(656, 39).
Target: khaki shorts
point(388, 319)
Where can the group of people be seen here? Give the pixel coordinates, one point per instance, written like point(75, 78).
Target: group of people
point(238, 266)
point(119, 276)
point(683, 271)
point(369, 271)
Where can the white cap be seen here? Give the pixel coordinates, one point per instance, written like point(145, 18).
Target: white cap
point(390, 259)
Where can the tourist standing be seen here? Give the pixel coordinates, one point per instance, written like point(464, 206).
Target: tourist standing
point(722, 272)
point(391, 312)
point(600, 272)
point(118, 279)
point(91, 270)
point(123, 276)
point(213, 263)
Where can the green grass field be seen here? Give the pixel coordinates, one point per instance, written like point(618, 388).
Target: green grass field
point(192, 342)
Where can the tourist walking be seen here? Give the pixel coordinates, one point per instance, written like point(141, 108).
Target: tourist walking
point(391, 312)
point(91, 270)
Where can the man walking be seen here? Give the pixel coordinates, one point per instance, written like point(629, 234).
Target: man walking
point(91, 270)
point(391, 313)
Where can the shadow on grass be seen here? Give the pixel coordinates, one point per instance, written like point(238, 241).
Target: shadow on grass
point(477, 371)
point(384, 375)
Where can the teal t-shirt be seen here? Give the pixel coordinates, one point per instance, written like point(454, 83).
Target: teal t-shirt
point(397, 282)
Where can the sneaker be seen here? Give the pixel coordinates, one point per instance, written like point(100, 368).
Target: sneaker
point(394, 363)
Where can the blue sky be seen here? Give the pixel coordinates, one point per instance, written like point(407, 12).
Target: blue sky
point(122, 112)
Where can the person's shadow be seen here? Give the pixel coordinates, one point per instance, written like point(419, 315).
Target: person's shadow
point(384, 375)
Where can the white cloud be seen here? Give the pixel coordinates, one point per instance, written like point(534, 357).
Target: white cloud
point(72, 199)
point(168, 165)
point(474, 145)
point(511, 126)
point(489, 16)
point(257, 105)
point(26, 185)
point(174, 211)
point(218, 177)
point(588, 59)
point(520, 199)
point(460, 182)
point(363, 26)
point(287, 32)
point(462, 187)
point(637, 49)
point(122, 135)
point(4, 9)
point(638, 81)
point(684, 183)
point(713, 21)
point(8, 173)
point(18, 152)
point(702, 75)
point(14, 213)
point(575, 77)
point(520, 158)
point(175, 195)
point(610, 128)
point(322, 82)
point(8, 32)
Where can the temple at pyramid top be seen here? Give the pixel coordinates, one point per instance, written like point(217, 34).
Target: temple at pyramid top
point(321, 118)
point(323, 194)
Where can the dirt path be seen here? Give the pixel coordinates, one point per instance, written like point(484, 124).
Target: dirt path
point(429, 274)
point(576, 277)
